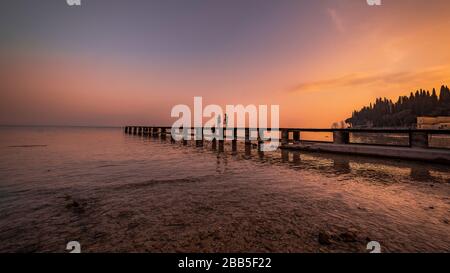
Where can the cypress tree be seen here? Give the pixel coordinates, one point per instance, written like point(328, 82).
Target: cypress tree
point(404, 111)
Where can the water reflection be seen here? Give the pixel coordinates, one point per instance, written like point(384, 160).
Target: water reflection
point(284, 156)
point(421, 174)
point(177, 197)
point(378, 170)
point(342, 165)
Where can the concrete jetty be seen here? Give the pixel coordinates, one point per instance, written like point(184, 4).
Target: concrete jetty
point(418, 147)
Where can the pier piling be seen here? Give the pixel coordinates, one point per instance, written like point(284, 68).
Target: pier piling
point(418, 140)
point(154, 131)
point(221, 139)
point(296, 136)
point(284, 137)
point(248, 142)
point(341, 137)
point(234, 140)
point(199, 136)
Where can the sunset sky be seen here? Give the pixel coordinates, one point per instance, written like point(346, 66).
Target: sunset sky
point(112, 62)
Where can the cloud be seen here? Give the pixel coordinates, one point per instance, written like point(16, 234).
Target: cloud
point(336, 20)
point(364, 79)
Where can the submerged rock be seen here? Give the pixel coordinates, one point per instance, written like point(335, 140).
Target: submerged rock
point(75, 206)
point(324, 238)
point(348, 236)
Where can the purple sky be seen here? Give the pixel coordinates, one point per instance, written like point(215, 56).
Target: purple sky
point(113, 62)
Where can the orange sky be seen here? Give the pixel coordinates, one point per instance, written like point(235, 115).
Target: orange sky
point(319, 66)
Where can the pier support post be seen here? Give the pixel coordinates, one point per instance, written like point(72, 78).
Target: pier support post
point(284, 137)
point(234, 141)
point(185, 132)
point(163, 132)
point(214, 140)
point(140, 130)
point(172, 137)
point(248, 150)
point(418, 139)
point(261, 154)
point(155, 131)
point(221, 139)
point(260, 138)
point(134, 130)
point(126, 129)
point(296, 136)
point(341, 137)
point(248, 142)
point(199, 136)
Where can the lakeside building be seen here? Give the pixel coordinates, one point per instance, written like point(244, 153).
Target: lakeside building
point(433, 122)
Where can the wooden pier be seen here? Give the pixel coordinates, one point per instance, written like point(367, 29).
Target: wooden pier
point(417, 147)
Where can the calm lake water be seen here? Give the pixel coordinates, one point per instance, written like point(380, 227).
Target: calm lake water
point(114, 192)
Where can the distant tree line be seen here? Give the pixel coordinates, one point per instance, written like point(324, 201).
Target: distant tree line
point(404, 112)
